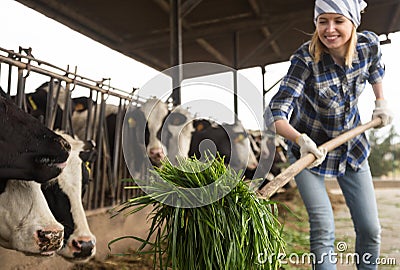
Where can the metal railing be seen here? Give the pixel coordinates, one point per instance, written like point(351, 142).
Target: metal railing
point(106, 188)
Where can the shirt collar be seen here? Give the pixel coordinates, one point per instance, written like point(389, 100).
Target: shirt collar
point(328, 63)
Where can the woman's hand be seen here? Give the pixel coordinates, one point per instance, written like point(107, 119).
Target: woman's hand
point(307, 145)
point(382, 111)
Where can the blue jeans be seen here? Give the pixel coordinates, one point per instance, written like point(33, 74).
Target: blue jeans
point(358, 190)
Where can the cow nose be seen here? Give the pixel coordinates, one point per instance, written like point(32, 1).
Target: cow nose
point(50, 239)
point(156, 153)
point(85, 248)
point(252, 165)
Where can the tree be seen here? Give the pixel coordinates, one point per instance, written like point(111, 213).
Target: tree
point(383, 153)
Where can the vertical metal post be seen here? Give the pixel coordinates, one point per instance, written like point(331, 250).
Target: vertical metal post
point(263, 86)
point(21, 88)
point(175, 24)
point(235, 77)
point(65, 125)
point(9, 79)
point(99, 179)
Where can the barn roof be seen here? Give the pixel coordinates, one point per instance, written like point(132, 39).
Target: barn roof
point(266, 32)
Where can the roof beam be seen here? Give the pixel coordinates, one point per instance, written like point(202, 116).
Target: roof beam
point(395, 17)
point(266, 42)
point(264, 29)
point(155, 40)
point(202, 42)
point(188, 6)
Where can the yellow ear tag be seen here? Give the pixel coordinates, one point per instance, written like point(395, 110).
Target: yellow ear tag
point(87, 165)
point(239, 138)
point(79, 107)
point(199, 127)
point(131, 122)
point(33, 104)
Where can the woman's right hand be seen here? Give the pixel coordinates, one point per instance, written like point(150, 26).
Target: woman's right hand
point(307, 145)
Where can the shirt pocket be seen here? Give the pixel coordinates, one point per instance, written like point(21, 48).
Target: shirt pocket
point(360, 83)
point(326, 95)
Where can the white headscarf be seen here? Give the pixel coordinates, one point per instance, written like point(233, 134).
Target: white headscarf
point(351, 9)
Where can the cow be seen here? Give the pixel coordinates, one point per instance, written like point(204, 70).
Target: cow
point(229, 140)
point(36, 103)
point(142, 129)
point(28, 149)
point(27, 224)
point(271, 155)
point(177, 132)
point(64, 197)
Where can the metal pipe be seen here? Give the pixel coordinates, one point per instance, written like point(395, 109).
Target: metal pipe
point(175, 24)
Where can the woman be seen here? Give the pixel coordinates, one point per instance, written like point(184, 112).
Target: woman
point(316, 101)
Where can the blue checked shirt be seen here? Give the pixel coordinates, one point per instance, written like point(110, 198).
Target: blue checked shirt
point(321, 101)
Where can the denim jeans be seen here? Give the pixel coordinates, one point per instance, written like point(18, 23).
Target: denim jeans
point(358, 190)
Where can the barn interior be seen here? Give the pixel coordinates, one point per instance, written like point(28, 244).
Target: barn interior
point(239, 34)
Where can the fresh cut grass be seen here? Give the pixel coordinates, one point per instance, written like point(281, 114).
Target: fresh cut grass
point(236, 231)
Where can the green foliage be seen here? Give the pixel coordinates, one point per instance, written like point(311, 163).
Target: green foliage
point(234, 232)
point(383, 153)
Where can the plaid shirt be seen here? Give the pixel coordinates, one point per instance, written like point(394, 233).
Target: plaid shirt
point(321, 101)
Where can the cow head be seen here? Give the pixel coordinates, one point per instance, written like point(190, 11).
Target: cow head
point(177, 133)
point(28, 149)
point(27, 224)
point(155, 112)
point(242, 155)
point(230, 140)
point(64, 197)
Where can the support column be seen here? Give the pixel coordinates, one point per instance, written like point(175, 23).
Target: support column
point(235, 76)
point(175, 24)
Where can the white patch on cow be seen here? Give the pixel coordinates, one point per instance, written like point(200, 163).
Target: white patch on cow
point(242, 155)
point(62, 96)
point(70, 181)
point(155, 111)
point(179, 142)
point(23, 212)
point(79, 119)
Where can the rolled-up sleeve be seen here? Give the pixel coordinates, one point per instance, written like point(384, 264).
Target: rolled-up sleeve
point(377, 68)
point(291, 87)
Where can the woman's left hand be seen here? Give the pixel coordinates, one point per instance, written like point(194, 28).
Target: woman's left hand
point(382, 111)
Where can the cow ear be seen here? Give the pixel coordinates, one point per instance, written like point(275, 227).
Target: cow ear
point(89, 155)
point(89, 145)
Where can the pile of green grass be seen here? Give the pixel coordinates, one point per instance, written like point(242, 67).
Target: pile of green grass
point(237, 231)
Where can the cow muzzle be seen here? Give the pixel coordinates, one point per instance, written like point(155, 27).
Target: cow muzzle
point(156, 155)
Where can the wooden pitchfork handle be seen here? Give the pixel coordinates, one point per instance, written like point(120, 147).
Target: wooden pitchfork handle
point(283, 178)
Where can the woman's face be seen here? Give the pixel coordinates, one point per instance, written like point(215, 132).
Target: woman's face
point(334, 30)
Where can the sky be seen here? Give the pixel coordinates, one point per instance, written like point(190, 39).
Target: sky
point(59, 45)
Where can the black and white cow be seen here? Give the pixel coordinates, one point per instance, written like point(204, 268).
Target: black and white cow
point(28, 149)
point(142, 129)
point(36, 103)
point(230, 140)
point(177, 132)
point(27, 224)
point(64, 197)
